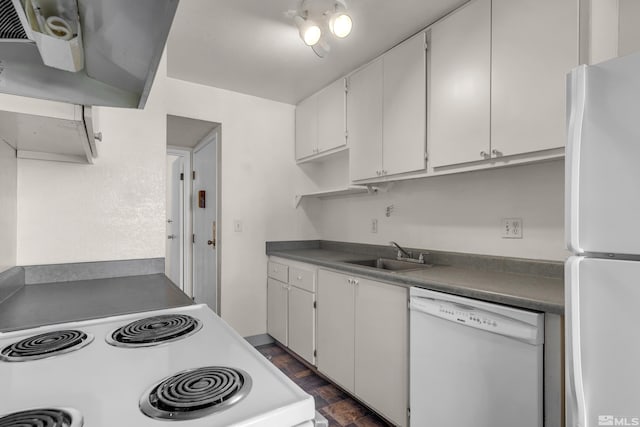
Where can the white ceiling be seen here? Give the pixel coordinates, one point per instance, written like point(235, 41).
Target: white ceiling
point(185, 132)
point(253, 47)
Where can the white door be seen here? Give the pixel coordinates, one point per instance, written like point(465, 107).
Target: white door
point(460, 85)
point(331, 116)
point(364, 122)
point(602, 348)
point(404, 121)
point(174, 266)
point(335, 327)
point(307, 127)
point(602, 172)
point(277, 314)
point(381, 370)
point(204, 224)
point(301, 323)
point(534, 45)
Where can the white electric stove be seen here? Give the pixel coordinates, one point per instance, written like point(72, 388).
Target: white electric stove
point(182, 366)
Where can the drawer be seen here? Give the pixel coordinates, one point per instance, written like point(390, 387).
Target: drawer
point(303, 279)
point(278, 271)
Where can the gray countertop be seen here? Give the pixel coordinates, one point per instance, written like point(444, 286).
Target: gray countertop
point(46, 303)
point(532, 292)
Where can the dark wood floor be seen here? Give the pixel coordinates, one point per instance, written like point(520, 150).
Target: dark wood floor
point(336, 406)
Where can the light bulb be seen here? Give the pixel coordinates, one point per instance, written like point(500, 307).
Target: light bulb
point(311, 34)
point(340, 24)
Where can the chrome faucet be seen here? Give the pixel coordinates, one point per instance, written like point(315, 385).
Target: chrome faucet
point(408, 255)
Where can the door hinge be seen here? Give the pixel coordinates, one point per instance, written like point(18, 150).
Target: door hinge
point(181, 176)
point(408, 412)
point(346, 85)
point(426, 156)
point(315, 304)
point(426, 45)
point(193, 175)
point(346, 134)
point(315, 353)
point(193, 238)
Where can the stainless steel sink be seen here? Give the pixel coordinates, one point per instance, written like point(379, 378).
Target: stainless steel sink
point(389, 264)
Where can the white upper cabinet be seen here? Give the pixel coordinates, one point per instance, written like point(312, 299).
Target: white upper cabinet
point(460, 96)
point(364, 122)
point(320, 122)
point(306, 128)
point(331, 116)
point(404, 107)
point(386, 113)
point(534, 46)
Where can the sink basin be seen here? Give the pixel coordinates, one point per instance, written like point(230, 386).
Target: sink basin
point(389, 264)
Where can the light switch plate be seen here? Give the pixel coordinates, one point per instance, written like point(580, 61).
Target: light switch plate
point(512, 228)
point(374, 225)
point(237, 226)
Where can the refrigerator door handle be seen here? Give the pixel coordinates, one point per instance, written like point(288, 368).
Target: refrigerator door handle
point(574, 353)
point(576, 94)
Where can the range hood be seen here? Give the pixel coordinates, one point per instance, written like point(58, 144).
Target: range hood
point(121, 43)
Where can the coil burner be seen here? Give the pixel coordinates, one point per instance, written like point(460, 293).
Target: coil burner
point(43, 417)
point(45, 345)
point(195, 393)
point(154, 330)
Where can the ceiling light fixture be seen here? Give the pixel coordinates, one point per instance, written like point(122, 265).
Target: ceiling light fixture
point(310, 32)
point(317, 20)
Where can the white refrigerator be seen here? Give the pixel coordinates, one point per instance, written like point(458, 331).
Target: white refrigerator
point(602, 226)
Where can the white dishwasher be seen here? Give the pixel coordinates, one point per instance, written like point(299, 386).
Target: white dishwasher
point(474, 363)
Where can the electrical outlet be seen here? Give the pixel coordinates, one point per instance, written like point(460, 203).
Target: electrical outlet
point(512, 228)
point(237, 226)
point(374, 225)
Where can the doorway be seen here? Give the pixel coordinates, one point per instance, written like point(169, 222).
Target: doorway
point(192, 241)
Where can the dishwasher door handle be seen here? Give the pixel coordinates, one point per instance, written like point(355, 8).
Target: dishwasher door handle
point(472, 317)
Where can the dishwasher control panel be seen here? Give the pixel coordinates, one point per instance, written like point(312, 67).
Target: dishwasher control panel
point(476, 318)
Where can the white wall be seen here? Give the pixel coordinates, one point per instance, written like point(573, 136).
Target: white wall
point(460, 213)
point(8, 203)
point(111, 210)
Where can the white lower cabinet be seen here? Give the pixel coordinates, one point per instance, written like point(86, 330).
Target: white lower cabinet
point(277, 312)
point(291, 313)
point(301, 322)
point(363, 340)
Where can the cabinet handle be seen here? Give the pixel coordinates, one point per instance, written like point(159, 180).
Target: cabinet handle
point(378, 173)
point(484, 155)
point(356, 282)
point(350, 281)
point(496, 152)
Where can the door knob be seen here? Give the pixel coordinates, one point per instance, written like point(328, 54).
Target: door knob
point(210, 242)
point(171, 236)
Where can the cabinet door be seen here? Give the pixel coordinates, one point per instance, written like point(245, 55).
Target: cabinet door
point(335, 316)
point(381, 353)
point(460, 86)
point(277, 302)
point(534, 46)
point(331, 117)
point(302, 338)
point(307, 127)
point(404, 116)
point(364, 122)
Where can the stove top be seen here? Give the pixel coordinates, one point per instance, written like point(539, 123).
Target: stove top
point(227, 381)
point(43, 417)
point(154, 330)
point(196, 393)
point(45, 345)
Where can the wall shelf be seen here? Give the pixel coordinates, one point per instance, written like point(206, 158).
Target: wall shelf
point(335, 192)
